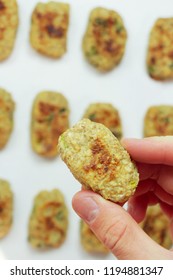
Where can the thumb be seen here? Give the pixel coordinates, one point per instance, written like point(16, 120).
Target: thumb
point(116, 228)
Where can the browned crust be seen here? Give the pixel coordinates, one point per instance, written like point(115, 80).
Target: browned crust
point(101, 161)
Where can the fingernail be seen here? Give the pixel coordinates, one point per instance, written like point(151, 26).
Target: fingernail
point(125, 141)
point(130, 209)
point(88, 209)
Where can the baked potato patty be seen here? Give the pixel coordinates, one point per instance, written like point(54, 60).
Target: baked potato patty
point(8, 26)
point(50, 118)
point(105, 39)
point(156, 225)
point(98, 161)
point(7, 107)
point(6, 208)
point(160, 50)
point(48, 221)
point(106, 114)
point(49, 28)
point(158, 121)
point(89, 241)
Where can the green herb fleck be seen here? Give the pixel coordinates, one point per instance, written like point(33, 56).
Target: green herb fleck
point(60, 216)
point(50, 117)
point(133, 183)
point(62, 110)
point(33, 209)
point(11, 115)
point(93, 51)
point(151, 69)
point(101, 22)
point(92, 117)
point(166, 120)
point(63, 141)
point(119, 27)
point(171, 66)
point(81, 225)
point(40, 246)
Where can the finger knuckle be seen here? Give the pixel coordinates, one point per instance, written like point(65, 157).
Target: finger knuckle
point(114, 234)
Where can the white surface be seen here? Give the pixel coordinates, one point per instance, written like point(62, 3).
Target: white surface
point(26, 73)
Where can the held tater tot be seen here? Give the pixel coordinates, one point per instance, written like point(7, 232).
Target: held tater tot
point(98, 161)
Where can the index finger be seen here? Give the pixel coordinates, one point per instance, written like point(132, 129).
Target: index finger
point(153, 150)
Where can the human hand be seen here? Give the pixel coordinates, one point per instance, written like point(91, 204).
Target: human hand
point(154, 157)
point(118, 229)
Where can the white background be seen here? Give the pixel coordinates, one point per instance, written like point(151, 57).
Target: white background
point(26, 73)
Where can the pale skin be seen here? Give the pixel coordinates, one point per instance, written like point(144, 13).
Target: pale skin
point(117, 228)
